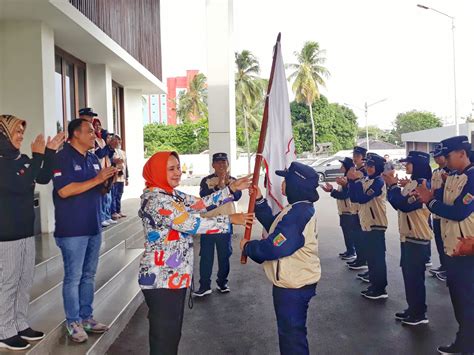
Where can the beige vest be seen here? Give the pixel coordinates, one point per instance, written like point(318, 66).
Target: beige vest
point(223, 210)
point(120, 154)
point(373, 214)
point(302, 267)
point(414, 224)
point(458, 237)
point(437, 183)
point(346, 206)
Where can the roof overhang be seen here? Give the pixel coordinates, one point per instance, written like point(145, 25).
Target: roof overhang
point(77, 35)
point(435, 135)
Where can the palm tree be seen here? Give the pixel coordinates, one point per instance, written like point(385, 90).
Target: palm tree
point(192, 104)
point(248, 94)
point(308, 76)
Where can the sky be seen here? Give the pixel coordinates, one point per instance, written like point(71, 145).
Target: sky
point(375, 49)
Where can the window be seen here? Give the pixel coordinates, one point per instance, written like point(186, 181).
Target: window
point(70, 87)
point(118, 117)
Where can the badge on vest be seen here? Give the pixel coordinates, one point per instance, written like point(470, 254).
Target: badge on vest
point(370, 192)
point(96, 166)
point(279, 240)
point(77, 168)
point(467, 199)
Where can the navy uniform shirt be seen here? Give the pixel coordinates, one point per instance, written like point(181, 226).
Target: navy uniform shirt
point(77, 215)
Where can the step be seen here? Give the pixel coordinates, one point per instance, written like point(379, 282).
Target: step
point(49, 271)
point(117, 290)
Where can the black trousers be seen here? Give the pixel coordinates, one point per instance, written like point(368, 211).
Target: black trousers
point(376, 259)
point(165, 316)
point(439, 242)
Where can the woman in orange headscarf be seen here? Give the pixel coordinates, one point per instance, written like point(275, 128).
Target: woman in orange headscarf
point(170, 219)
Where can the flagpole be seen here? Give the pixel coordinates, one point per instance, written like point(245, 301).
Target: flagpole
point(261, 145)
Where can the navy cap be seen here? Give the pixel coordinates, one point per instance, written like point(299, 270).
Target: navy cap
point(347, 162)
point(219, 157)
point(437, 151)
point(455, 143)
point(87, 111)
point(359, 150)
point(376, 160)
point(416, 157)
point(302, 171)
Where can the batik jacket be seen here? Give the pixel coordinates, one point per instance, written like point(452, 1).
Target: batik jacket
point(170, 220)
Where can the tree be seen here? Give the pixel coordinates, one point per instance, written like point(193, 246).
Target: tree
point(412, 121)
point(308, 76)
point(376, 133)
point(192, 104)
point(248, 95)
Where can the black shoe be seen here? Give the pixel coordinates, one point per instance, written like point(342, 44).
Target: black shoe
point(14, 343)
point(31, 335)
point(375, 295)
point(363, 274)
point(223, 289)
point(349, 257)
point(437, 270)
point(363, 292)
point(364, 278)
point(450, 349)
point(342, 254)
point(441, 276)
point(351, 262)
point(401, 315)
point(202, 292)
point(358, 266)
point(410, 320)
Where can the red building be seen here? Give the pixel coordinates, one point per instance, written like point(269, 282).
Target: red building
point(175, 85)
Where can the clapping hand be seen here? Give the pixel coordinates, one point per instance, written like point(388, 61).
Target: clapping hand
point(403, 182)
point(327, 187)
point(38, 145)
point(342, 181)
point(390, 178)
point(423, 194)
point(241, 184)
point(56, 141)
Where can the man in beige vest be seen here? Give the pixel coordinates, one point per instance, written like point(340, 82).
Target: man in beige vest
point(219, 180)
point(454, 204)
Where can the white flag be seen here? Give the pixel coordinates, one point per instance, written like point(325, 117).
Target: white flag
point(279, 149)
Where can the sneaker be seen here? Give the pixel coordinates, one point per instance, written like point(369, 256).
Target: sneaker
point(429, 263)
point(348, 257)
point(14, 343)
point(364, 277)
point(351, 262)
point(358, 266)
point(76, 332)
point(115, 216)
point(401, 315)
point(202, 292)
point(111, 221)
point(105, 224)
point(375, 295)
point(363, 292)
point(450, 349)
point(441, 276)
point(31, 335)
point(122, 215)
point(223, 289)
point(433, 272)
point(342, 254)
point(410, 320)
point(92, 326)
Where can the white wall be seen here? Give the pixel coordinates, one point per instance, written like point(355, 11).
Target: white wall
point(99, 93)
point(27, 88)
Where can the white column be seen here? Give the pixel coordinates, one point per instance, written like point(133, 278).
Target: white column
point(27, 89)
point(99, 93)
point(220, 78)
point(134, 141)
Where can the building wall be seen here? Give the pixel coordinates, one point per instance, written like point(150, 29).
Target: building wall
point(133, 24)
point(173, 84)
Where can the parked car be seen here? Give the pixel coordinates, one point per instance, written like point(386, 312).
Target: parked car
point(329, 168)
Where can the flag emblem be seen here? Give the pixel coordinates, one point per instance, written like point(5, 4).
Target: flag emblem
point(279, 240)
point(57, 173)
point(467, 199)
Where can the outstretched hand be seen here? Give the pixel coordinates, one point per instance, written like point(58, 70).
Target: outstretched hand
point(242, 219)
point(327, 187)
point(241, 184)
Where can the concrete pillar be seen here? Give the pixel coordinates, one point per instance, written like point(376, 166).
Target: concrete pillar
point(27, 89)
point(99, 93)
point(134, 141)
point(220, 78)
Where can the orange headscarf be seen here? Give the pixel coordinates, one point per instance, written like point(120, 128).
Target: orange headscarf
point(154, 171)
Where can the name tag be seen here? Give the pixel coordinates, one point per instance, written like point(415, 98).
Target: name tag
point(96, 166)
point(77, 168)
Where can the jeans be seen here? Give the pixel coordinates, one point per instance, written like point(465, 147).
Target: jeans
point(223, 243)
point(347, 225)
point(376, 259)
point(412, 261)
point(360, 243)
point(117, 192)
point(105, 210)
point(165, 316)
point(439, 242)
point(460, 273)
point(80, 258)
point(291, 309)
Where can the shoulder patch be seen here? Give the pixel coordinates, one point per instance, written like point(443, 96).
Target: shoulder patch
point(467, 199)
point(279, 240)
